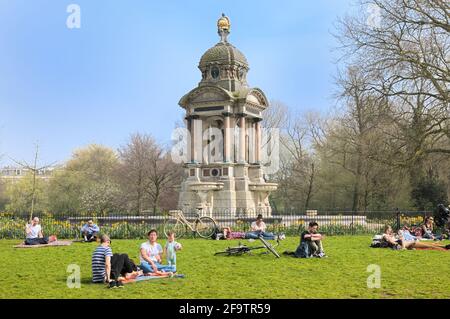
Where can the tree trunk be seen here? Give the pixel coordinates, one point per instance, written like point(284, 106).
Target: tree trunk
point(310, 186)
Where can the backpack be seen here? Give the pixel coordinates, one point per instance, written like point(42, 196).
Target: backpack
point(377, 241)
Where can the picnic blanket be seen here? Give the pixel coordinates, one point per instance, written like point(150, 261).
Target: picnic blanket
point(52, 244)
point(144, 278)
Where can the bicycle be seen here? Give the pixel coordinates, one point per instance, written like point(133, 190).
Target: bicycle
point(203, 226)
point(243, 249)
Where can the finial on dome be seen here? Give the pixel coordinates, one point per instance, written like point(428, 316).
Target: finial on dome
point(223, 27)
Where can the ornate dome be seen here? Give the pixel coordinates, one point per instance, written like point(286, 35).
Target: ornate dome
point(224, 65)
point(223, 53)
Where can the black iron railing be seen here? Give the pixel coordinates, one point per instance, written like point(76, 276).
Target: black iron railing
point(133, 226)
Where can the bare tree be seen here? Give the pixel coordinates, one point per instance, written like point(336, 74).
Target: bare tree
point(135, 159)
point(404, 58)
point(34, 169)
point(146, 172)
point(298, 169)
point(164, 175)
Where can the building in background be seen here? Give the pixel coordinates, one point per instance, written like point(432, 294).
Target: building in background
point(11, 173)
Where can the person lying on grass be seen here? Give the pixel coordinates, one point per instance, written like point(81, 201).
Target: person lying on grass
point(108, 267)
point(227, 233)
point(405, 232)
point(399, 242)
point(151, 255)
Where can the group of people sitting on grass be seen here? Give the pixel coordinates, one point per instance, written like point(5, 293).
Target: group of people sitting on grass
point(407, 238)
point(403, 239)
point(114, 269)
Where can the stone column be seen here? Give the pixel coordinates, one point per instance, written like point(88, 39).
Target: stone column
point(258, 140)
point(189, 144)
point(226, 137)
point(251, 142)
point(242, 131)
point(196, 138)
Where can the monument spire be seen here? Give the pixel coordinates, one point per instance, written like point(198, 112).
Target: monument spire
point(223, 28)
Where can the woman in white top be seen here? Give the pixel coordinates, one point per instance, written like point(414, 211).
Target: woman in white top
point(258, 229)
point(151, 255)
point(34, 234)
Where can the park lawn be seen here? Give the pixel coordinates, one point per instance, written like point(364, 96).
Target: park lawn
point(42, 272)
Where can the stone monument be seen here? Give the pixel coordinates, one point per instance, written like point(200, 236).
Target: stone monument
point(223, 174)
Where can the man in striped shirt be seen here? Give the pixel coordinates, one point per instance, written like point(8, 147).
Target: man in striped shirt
point(101, 263)
point(108, 267)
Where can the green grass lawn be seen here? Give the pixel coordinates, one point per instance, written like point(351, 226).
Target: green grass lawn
point(41, 273)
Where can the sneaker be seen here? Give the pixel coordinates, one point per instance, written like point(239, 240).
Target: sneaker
point(281, 237)
point(119, 284)
point(112, 284)
point(251, 240)
point(447, 247)
point(321, 255)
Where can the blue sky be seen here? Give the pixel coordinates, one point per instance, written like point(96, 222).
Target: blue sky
point(128, 65)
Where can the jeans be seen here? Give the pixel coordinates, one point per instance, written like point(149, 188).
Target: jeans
point(307, 249)
point(256, 234)
point(430, 235)
point(147, 267)
point(36, 241)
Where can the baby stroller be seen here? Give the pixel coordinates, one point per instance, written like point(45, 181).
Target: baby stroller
point(442, 216)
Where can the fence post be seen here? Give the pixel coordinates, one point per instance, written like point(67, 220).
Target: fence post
point(398, 220)
point(353, 220)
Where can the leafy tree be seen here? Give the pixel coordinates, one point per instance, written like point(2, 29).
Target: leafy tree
point(100, 197)
point(82, 175)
